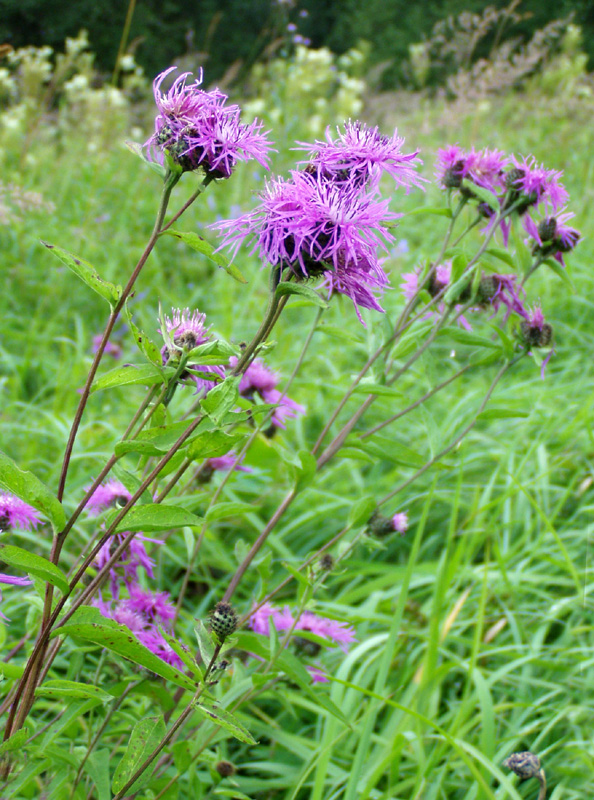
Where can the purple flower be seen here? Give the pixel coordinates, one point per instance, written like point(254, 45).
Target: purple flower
point(483, 167)
point(132, 559)
point(361, 154)
point(13, 581)
point(156, 643)
point(199, 129)
point(400, 522)
point(187, 331)
point(438, 282)
point(259, 379)
point(259, 621)
point(552, 237)
point(504, 291)
point(535, 184)
point(14, 513)
point(225, 463)
point(111, 348)
point(312, 224)
point(359, 282)
point(317, 676)
point(153, 605)
point(107, 495)
point(338, 632)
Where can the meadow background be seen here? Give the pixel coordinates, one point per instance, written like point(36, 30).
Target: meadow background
point(474, 630)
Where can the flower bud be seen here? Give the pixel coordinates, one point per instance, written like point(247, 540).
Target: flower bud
point(535, 335)
point(525, 765)
point(452, 178)
point(223, 620)
point(225, 769)
point(547, 229)
point(327, 562)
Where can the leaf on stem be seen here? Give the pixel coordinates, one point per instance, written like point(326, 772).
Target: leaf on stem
point(220, 716)
point(221, 399)
point(144, 374)
point(145, 345)
point(483, 194)
point(136, 148)
point(35, 565)
point(154, 517)
point(63, 689)
point(87, 273)
point(146, 735)
point(306, 292)
point(31, 490)
point(200, 245)
point(433, 210)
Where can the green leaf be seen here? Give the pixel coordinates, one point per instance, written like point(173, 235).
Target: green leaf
point(217, 351)
point(338, 333)
point(31, 490)
point(501, 413)
point(35, 565)
point(16, 741)
point(221, 399)
point(97, 766)
point(136, 148)
point(146, 735)
point(502, 255)
point(379, 389)
point(389, 450)
point(205, 642)
point(90, 625)
point(230, 509)
point(556, 267)
point(433, 210)
point(157, 441)
point(361, 511)
point(483, 194)
point(131, 482)
point(145, 374)
point(185, 655)
point(212, 444)
point(202, 246)
point(285, 287)
point(463, 336)
point(305, 470)
point(87, 273)
point(154, 517)
point(145, 345)
point(58, 689)
point(220, 716)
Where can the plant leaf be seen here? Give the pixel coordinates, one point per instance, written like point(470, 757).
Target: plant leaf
point(87, 273)
point(212, 444)
point(136, 148)
point(483, 194)
point(31, 490)
point(145, 374)
point(220, 716)
point(286, 287)
point(62, 688)
point(200, 245)
point(154, 517)
point(16, 741)
point(146, 735)
point(145, 345)
point(434, 210)
point(35, 565)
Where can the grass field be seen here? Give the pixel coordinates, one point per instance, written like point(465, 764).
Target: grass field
point(474, 631)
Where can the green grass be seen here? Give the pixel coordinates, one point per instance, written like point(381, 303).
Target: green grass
point(474, 631)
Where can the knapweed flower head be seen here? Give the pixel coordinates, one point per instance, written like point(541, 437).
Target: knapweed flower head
point(134, 558)
point(503, 290)
point(259, 380)
point(339, 633)
point(552, 236)
point(223, 620)
point(12, 580)
point(111, 348)
point(525, 765)
point(535, 331)
point(530, 182)
point(400, 522)
point(482, 167)
point(14, 513)
point(359, 282)
point(315, 225)
point(360, 155)
point(186, 330)
point(154, 606)
point(200, 129)
point(380, 526)
point(108, 495)
point(439, 280)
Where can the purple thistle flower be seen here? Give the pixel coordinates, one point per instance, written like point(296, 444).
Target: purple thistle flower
point(187, 331)
point(259, 379)
point(125, 615)
point(14, 513)
point(315, 225)
point(317, 676)
point(107, 495)
point(505, 292)
point(552, 237)
point(111, 348)
point(132, 559)
point(225, 463)
point(338, 632)
point(156, 643)
point(400, 522)
point(361, 154)
point(12, 580)
point(535, 183)
point(199, 129)
point(153, 605)
point(483, 167)
point(358, 282)
point(259, 621)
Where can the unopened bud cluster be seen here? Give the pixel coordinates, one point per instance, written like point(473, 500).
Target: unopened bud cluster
point(223, 620)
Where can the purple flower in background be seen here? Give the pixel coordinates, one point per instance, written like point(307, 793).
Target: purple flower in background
point(187, 330)
point(111, 348)
point(107, 495)
point(259, 621)
point(360, 155)
point(439, 281)
point(12, 580)
point(199, 129)
point(536, 184)
point(483, 167)
point(14, 513)
point(338, 632)
point(400, 522)
point(259, 379)
point(156, 643)
point(359, 282)
point(503, 290)
point(317, 676)
point(132, 559)
point(153, 605)
point(535, 331)
point(552, 236)
point(225, 463)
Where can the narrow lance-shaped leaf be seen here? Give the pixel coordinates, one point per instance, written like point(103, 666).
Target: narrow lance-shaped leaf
point(31, 490)
point(302, 291)
point(200, 245)
point(154, 517)
point(143, 374)
point(220, 716)
point(146, 346)
point(35, 565)
point(87, 273)
point(146, 735)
